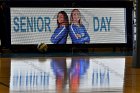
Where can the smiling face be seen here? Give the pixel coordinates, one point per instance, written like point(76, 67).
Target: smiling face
point(76, 16)
point(60, 18)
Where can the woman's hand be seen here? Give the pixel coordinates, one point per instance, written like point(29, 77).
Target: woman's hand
point(78, 35)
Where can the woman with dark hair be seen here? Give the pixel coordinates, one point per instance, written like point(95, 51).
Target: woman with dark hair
point(61, 32)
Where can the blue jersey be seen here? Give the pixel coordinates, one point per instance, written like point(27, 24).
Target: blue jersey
point(74, 30)
point(79, 66)
point(58, 66)
point(60, 35)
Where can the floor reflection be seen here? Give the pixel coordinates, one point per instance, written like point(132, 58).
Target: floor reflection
point(67, 74)
point(60, 70)
point(77, 70)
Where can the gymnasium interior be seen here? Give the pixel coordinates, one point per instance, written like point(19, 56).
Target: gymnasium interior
point(108, 61)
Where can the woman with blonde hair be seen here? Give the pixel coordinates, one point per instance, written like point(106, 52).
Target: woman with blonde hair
point(78, 32)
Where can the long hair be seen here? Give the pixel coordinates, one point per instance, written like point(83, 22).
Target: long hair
point(71, 16)
point(66, 19)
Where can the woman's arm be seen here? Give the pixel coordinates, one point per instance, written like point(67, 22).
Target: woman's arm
point(59, 33)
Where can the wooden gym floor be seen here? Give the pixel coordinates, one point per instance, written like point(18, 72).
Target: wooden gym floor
point(100, 74)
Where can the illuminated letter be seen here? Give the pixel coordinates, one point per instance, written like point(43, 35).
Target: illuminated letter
point(95, 19)
point(47, 23)
point(108, 22)
point(22, 24)
point(16, 27)
point(40, 23)
point(29, 24)
point(103, 24)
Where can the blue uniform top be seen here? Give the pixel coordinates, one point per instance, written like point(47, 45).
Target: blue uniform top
point(74, 29)
point(79, 66)
point(58, 66)
point(60, 35)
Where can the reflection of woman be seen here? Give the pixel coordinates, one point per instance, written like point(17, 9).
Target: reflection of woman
point(59, 68)
point(78, 68)
point(78, 31)
point(61, 32)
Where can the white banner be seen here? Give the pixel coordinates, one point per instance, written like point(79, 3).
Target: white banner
point(37, 25)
